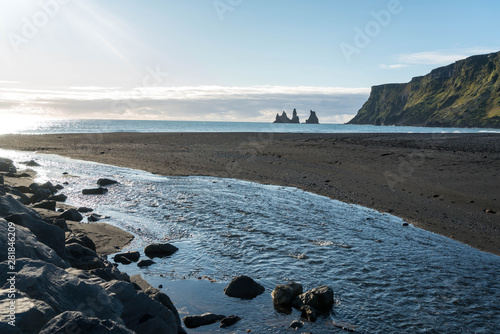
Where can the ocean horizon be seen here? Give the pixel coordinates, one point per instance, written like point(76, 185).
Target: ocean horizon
point(61, 126)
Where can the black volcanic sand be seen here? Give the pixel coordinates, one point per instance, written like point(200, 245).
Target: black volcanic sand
point(445, 183)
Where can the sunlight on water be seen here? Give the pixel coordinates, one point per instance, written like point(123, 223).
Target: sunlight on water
point(387, 278)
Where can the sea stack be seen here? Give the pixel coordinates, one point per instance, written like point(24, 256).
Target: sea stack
point(313, 119)
point(284, 118)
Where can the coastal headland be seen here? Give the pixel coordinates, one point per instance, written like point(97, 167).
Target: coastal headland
point(444, 183)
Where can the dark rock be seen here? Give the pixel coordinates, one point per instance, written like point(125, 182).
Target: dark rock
point(243, 287)
point(61, 223)
point(84, 209)
point(77, 322)
point(109, 273)
point(320, 298)
point(21, 197)
point(2, 181)
point(132, 256)
point(124, 261)
point(31, 163)
point(24, 189)
point(158, 296)
point(71, 214)
point(49, 186)
point(313, 119)
point(95, 217)
point(59, 187)
point(194, 321)
point(283, 295)
point(40, 194)
point(284, 118)
point(61, 290)
point(94, 191)
point(58, 198)
point(141, 313)
point(7, 165)
point(309, 313)
point(81, 257)
point(297, 324)
point(160, 250)
point(28, 246)
point(31, 314)
point(106, 182)
point(49, 205)
point(229, 321)
point(34, 187)
point(81, 239)
point(145, 263)
point(50, 235)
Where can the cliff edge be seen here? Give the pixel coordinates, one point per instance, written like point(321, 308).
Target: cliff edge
point(463, 94)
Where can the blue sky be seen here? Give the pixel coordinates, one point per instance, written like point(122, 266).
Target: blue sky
point(225, 59)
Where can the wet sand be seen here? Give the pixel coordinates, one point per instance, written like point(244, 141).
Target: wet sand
point(445, 183)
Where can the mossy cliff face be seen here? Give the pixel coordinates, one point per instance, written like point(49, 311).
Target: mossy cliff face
point(463, 94)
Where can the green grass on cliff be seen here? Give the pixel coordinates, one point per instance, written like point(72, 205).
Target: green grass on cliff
point(464, 94)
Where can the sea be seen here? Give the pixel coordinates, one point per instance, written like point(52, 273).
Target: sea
point(387, 276)
point(47, 126)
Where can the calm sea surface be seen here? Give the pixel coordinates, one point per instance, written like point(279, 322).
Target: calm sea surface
point(387, 278)
point(98, 126)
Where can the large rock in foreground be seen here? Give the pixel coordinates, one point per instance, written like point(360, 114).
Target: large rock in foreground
point(320, 298)
point(77, 322)
point(284, 294)
point(243, 287)
point(194, 321)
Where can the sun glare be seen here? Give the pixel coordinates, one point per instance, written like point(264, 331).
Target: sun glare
point(12, 123)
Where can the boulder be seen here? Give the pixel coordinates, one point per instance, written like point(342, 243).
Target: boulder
point(284, 294)
point(50, 235)
point(31, 314)
point(82, 257)
point(160, 250)
point(49, 186)
point(94, 191)
point(27, 246)
point(141, 313)
point(132, 256)
point(31, 163)
point(7, 165)
point(84, 209)
point(95, 217)
point(49, 205)
point(24, 189)
point(40, 194)
point(320, 298)
point(62, 291)
point(110, 273)
point(106, 182)
point(81, 239)
point(20, 196)
point(71, 214)
point(59, 186)
point(145, 263)
point(58, 198)
point(61, 223)
point(77, 322)
point(158, 296)
point(194, 321)
point(243, 287)
point(229, 321)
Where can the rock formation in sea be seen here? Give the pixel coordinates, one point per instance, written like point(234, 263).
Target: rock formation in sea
point(313, 119)
point(463, 94)
point(284, 118)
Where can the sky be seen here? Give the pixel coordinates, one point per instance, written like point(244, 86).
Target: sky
point(225, 60)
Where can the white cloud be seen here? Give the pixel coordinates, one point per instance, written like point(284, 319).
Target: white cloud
point(392, 67)
point(441, 57)
point(254, 103)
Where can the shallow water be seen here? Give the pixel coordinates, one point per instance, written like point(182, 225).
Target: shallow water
point(387, 278)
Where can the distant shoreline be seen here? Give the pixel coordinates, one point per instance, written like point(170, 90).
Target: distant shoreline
point(444, 183)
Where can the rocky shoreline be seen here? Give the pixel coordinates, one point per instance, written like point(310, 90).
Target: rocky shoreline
point(58, 278)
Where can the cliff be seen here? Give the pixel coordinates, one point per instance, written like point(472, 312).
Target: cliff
point(284, 118)
point(463, 94)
